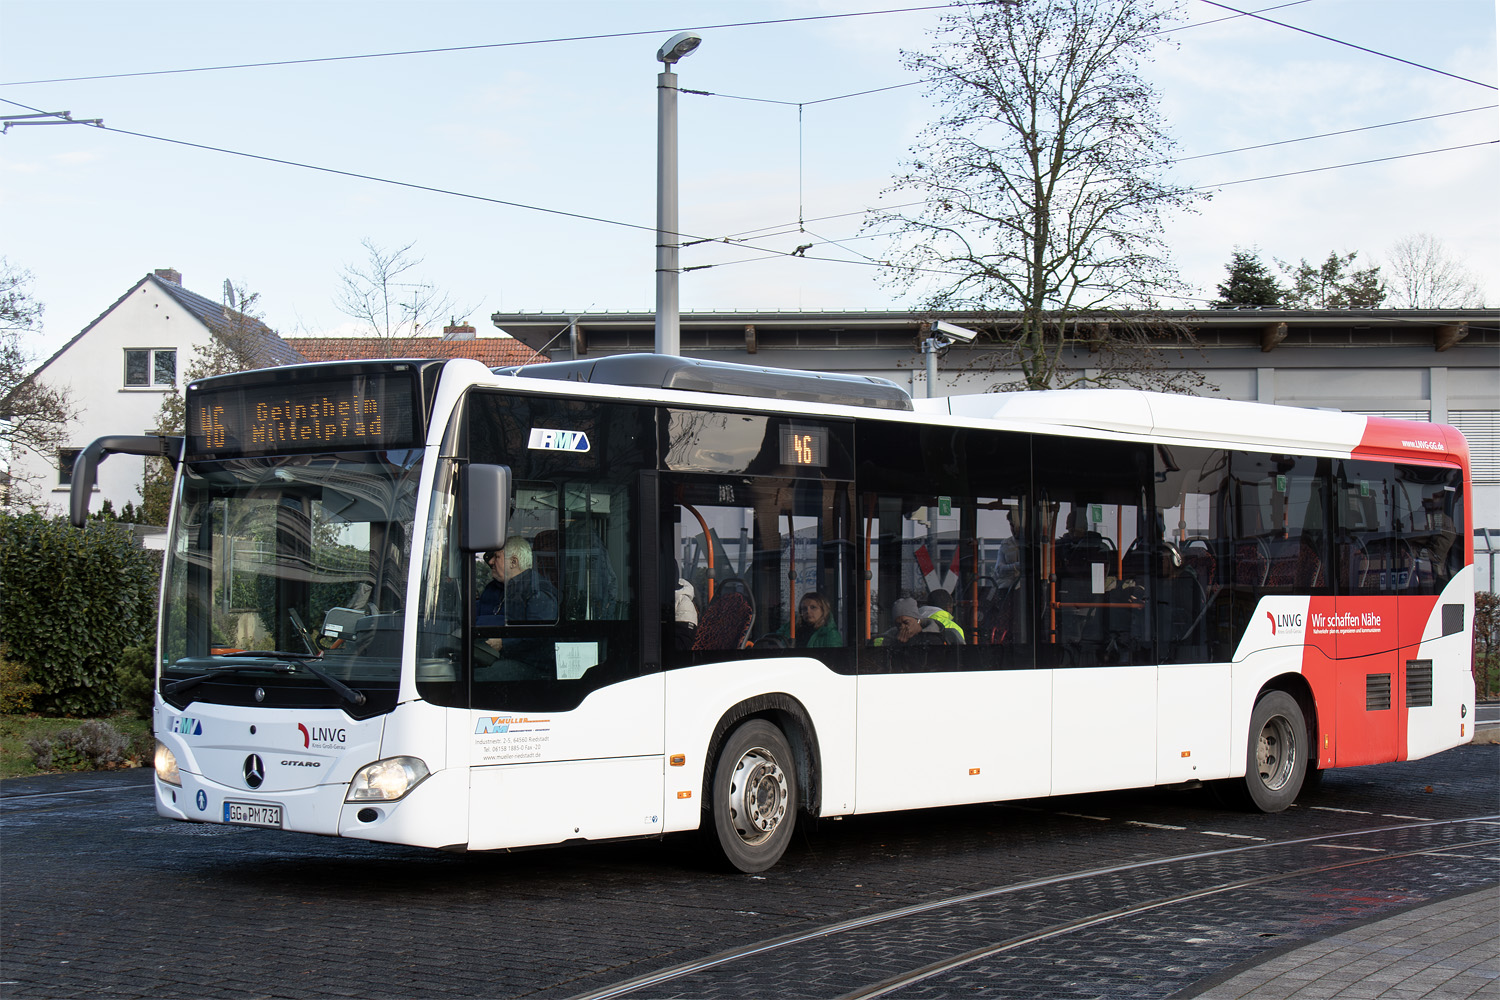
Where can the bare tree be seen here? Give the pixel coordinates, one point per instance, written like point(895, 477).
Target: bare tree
point(384, 295)
point(33, 415)
point(1423, 275)
point(1042, 189)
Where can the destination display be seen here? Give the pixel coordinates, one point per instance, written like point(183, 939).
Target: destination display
point(365, 413)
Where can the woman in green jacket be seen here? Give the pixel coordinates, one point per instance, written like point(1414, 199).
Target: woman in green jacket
point(815, 626)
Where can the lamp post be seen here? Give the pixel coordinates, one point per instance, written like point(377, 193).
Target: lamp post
point(668, 336)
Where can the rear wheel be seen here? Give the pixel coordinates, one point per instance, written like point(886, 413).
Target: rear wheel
point(1276, 759)
point(754, 796)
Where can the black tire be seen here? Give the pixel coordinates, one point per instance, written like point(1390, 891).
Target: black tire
point(1276, 757)
point(754, 796)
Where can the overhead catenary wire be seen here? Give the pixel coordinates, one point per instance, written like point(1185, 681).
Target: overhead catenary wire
point(494, 45)
point(732, 240)
point(1340, 41)
point(1342, 166)
point(800, 225)
point(1328, 135)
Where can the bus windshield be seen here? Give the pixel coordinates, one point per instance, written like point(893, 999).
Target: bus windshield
point(287, 578)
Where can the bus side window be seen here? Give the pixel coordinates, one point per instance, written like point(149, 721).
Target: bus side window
point(1370, 557)
point(917, 565)
point(1429, 509)
point(995, 600)
point(747, 551)
point(1192, 491)
point(1283, 535)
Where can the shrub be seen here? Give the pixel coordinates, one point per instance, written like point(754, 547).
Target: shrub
point(135, 680)
point(1486, 643)
point(17, 689)
point(93, 746)
point(71, 602)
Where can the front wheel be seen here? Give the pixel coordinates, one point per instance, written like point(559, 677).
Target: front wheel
point(1276, 759)
point(754, 796)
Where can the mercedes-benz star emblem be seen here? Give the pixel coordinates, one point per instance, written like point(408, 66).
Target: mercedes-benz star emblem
point(260, 694)
point(255, 771)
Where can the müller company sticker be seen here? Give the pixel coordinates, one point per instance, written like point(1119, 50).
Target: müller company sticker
point(501, 739)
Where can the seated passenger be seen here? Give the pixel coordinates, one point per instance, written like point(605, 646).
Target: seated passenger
point(815, 627)
point(909, 629)
point(937, 616)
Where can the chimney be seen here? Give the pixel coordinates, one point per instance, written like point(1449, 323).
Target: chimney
point(169, 274)
point(458, 331)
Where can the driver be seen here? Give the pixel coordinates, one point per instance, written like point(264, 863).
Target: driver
point(529, 596)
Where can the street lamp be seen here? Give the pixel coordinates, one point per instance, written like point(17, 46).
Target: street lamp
point(668, 335)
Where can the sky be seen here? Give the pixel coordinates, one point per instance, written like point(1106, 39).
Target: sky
point(549, 149)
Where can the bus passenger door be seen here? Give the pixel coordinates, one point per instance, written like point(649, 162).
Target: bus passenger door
point(1373, 569)
point(566, 742)
point(1099, 621)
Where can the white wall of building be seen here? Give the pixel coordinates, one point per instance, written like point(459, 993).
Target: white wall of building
point(92, 369)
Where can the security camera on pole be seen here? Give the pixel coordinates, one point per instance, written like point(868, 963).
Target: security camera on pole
point(941, 333)
point(668, 339)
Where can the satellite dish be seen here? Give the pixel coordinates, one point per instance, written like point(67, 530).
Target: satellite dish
point(229, 293)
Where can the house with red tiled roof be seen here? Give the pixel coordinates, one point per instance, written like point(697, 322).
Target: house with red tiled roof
point(458, 341)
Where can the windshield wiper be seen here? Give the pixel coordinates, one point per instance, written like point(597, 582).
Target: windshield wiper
point(228, 668)
point(349, 694)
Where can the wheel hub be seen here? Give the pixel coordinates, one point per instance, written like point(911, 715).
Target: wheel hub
point(1274, 754)
point(758, 796)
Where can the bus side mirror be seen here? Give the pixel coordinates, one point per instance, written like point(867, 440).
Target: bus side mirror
point(86, 465)
point(484, 498)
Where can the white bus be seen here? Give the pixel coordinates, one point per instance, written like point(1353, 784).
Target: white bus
point(426, 603)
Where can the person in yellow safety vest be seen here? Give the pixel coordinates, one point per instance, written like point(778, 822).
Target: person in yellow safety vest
point(937, 616)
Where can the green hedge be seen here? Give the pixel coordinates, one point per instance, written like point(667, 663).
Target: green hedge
point(71, 602)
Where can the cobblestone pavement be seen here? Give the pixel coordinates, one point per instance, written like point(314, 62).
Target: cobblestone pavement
point(101, 898)
point(1442, 950)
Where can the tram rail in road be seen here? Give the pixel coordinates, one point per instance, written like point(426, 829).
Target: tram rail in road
point(1146, 892)
point(899, 923)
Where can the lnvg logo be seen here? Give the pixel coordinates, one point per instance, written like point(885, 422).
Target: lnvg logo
point(1284, 622)
point(543, 439)
point(323, 737)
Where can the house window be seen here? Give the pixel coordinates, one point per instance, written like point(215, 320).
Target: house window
point(65, 459)
point(147, 368)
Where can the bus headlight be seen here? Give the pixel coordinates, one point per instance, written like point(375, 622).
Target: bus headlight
point(386, 780)
point(166, 765)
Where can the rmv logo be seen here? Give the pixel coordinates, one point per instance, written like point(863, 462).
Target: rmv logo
point(551, 440)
